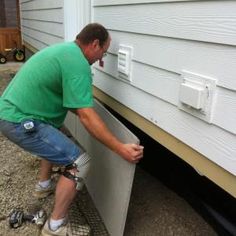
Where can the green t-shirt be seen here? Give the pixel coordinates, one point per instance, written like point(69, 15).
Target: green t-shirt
point(52, 81)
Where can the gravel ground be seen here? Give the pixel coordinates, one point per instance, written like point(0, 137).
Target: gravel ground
point(154, 209)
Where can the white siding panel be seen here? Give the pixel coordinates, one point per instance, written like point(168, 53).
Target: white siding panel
point(165, 85)
point(214, 143)
point(110, 179)
point(34, 42)
point(210, 21)
point(42, 22)
point(42, 4)
point(42, 37)
point(160, 83)
point(24, 1)
point(46, 27)
point(122, 2)
point(52, 15)
point(225, 110)
point(212, 60)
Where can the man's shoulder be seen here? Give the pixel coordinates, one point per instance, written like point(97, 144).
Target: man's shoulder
point(58, 46)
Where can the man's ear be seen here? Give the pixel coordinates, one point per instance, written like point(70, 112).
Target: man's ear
point(95, 44)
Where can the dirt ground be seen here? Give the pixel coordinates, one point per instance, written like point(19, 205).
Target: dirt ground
point(154, 209)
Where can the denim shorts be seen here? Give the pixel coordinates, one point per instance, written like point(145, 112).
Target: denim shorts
point(43, 140)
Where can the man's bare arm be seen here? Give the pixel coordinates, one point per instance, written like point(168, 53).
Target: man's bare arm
point(97, 128)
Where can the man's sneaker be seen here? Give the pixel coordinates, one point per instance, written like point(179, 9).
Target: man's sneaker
point(64, 230)
point(41, 192)
point(61, 231)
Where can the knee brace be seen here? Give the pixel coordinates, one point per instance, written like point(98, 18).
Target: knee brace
point(80, 170)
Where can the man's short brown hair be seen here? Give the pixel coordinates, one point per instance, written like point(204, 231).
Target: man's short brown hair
point(91, 32)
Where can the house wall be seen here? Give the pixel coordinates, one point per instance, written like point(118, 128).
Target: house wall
point(47, 22)
point(168, 37)
point(42, 22)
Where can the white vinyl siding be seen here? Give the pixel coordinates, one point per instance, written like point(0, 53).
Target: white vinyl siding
point(42, 22)
point(168, 37)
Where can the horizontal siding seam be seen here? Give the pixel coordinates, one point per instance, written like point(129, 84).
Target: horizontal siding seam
point(26, 2)
point(170, 37)
point(38, 20)
point(56, 22)
point(41, 9)
point(133, 85)
point(44, 32)
point(139, 3)
point(35, 39)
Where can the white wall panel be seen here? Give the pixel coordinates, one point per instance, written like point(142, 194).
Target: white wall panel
point(41, 36)
point(216, 144)
point(225, 110)
point(124, 2)
point(165, 85)
point(111, 177)
point(42, 4)
point(34, 42)
point(52, 15)
point(42, 22)
point(213, 60)
point(210, 21)
point(24, 1)
point(160, 83)
point(46, 27)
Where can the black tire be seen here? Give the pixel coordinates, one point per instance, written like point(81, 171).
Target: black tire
point(19, 55)
point(3, 59)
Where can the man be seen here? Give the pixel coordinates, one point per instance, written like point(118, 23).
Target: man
point(35, 104)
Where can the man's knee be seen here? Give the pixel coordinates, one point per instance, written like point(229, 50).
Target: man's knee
point(78, 170)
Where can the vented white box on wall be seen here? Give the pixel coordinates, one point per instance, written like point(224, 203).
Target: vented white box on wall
point(124, 62)
point(197, 95)
point(193, 96)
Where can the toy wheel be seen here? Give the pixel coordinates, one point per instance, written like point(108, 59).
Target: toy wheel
point(19, 55)
point(3, 59)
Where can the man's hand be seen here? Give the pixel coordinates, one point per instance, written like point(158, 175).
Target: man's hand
point(97, 128)
point(131, 152)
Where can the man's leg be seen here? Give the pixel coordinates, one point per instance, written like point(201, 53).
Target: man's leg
point(45, 170)
point(65, 193)
point(45, 186)
point(71, 181)
point(57, 224)
point(68, 187)
point(49, 143)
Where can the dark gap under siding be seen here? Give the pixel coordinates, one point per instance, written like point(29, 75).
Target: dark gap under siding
point(214, 204)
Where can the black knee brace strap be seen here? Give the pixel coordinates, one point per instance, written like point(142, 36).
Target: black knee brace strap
point(68, 175)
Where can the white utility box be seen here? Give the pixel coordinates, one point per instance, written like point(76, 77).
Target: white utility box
point(192, 95)
point(197, 95)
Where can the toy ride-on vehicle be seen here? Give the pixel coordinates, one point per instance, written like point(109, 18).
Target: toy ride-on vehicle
point(17, 53)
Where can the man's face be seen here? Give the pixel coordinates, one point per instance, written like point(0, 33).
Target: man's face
point(98, 51)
